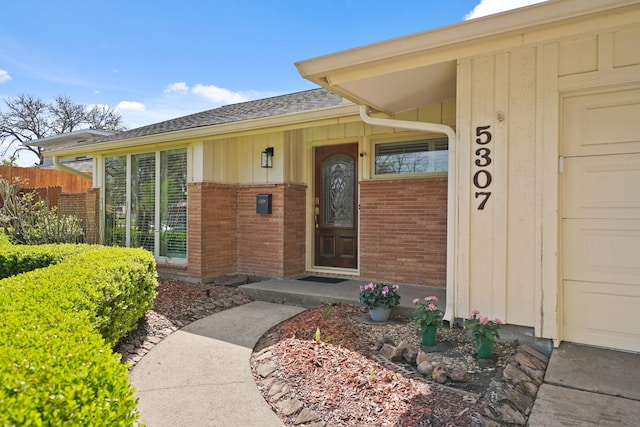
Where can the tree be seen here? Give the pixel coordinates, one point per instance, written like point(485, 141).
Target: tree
point(28, 118)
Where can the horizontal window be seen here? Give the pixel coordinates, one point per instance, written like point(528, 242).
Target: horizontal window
point(409, 157)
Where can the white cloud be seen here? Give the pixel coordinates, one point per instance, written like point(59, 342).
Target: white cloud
point(219, 95)
point(4, 76)
point(130, 106)
point(489, 7)
point(177, 87)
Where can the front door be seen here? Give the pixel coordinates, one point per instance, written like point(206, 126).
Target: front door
point(335, 206)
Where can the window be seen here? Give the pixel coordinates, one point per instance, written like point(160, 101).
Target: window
point(154, 185)
point(409, 157)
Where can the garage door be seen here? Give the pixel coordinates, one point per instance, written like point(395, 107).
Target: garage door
point(601, 219)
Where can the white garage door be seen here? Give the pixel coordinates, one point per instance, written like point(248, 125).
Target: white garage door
point(601, 219)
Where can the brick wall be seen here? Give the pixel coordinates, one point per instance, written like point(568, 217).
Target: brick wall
point(403, 230)
point(212, 227)
point(261, 237)
point(294, 229)
point(85, 207)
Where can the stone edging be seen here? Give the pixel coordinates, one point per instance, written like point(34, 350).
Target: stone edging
point(507, 401)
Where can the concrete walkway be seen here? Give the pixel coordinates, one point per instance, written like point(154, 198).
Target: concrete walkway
point(200, 375)
point(587, 386)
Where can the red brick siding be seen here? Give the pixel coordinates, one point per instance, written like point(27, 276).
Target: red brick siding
point(261, 237)
point(294, 229)
point(403, 231)
point(211, 238)
point(85, 207)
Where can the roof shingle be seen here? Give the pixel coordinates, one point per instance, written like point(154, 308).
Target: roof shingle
point(298, 102)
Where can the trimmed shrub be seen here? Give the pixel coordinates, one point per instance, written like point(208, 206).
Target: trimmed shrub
point(57, 326)
point(16, 259)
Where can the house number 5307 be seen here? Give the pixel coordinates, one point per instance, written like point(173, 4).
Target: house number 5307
point(482, 178)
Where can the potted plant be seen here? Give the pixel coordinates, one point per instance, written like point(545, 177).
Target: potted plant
point(483, 331)
point(380, 298)
point(428, 318)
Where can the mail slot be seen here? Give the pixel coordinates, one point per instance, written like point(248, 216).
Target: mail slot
point(263, 204)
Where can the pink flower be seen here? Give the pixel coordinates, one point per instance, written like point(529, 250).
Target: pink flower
point(416, 300)
point(432, 307)
point(396, 288)
point(370, 286)
point(499, 321)
point(385, 291)
point(475, 312)
point(431, 298)
point(484, 320)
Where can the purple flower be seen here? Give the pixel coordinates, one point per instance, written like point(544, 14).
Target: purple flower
point(385, 291)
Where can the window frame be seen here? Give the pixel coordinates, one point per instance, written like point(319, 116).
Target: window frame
point(399, 141)
point(157, 199)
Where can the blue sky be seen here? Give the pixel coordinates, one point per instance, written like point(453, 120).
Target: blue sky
point(156, 60)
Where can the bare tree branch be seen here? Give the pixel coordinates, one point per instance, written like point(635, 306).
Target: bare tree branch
point(28, 118)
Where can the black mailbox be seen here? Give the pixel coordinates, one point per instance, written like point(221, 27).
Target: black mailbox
point(263, 204)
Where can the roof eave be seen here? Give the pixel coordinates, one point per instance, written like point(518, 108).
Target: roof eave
point(389, 56)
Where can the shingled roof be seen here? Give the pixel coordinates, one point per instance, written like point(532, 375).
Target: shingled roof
point(298, 102)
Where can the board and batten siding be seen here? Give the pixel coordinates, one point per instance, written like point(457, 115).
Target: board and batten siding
point(509, 253)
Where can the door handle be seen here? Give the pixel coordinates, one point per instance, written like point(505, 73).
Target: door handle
point(316, 212)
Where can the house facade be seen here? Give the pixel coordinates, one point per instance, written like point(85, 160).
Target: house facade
point(498, 157)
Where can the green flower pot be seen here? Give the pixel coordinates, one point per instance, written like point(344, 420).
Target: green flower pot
point(485, 347)
point(429, 335)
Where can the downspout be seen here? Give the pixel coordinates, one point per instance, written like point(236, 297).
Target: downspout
point(452, 207)
point(58, 165)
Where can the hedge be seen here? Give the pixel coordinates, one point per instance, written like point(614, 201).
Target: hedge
point(21, 258)
point(57, 327)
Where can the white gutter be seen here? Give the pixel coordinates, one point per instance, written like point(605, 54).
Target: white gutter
point(58, 165)
point(452, 207)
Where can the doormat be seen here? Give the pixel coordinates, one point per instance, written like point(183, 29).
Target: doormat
point(322, 279)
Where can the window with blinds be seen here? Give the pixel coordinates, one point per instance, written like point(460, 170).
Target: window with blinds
point(115, 201)
point(173, 204)
point(143, 201)
point(410, 157)
point(155, 189)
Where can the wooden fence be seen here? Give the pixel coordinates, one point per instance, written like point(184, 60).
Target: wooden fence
point(42, 178)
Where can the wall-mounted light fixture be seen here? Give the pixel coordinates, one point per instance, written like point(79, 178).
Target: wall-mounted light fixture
point(266, 161)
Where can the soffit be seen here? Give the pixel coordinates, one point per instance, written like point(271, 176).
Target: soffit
point(415, 70)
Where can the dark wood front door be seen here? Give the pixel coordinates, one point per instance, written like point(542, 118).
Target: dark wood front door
point(335, 206)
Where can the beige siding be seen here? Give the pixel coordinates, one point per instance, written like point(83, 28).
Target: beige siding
point(501, 243)
point(521, 231)
point(508, 254)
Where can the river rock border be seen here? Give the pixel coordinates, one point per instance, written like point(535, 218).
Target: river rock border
point(506, 402)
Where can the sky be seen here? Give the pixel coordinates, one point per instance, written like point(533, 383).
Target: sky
point(157, 60)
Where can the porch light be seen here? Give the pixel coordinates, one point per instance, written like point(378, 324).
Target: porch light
point(266, 161)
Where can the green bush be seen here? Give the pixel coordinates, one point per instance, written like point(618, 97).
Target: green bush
point(57, 326)
point(16, 259)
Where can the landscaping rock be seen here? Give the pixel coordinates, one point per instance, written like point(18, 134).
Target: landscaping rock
point(289, 406)
point(440, 373)
point(306, 416)
point(512, 373)
point(266, 369)
point(387, 351)
point(409, 353)
point(423, 357)
point(425, 368)
point(459, 375)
